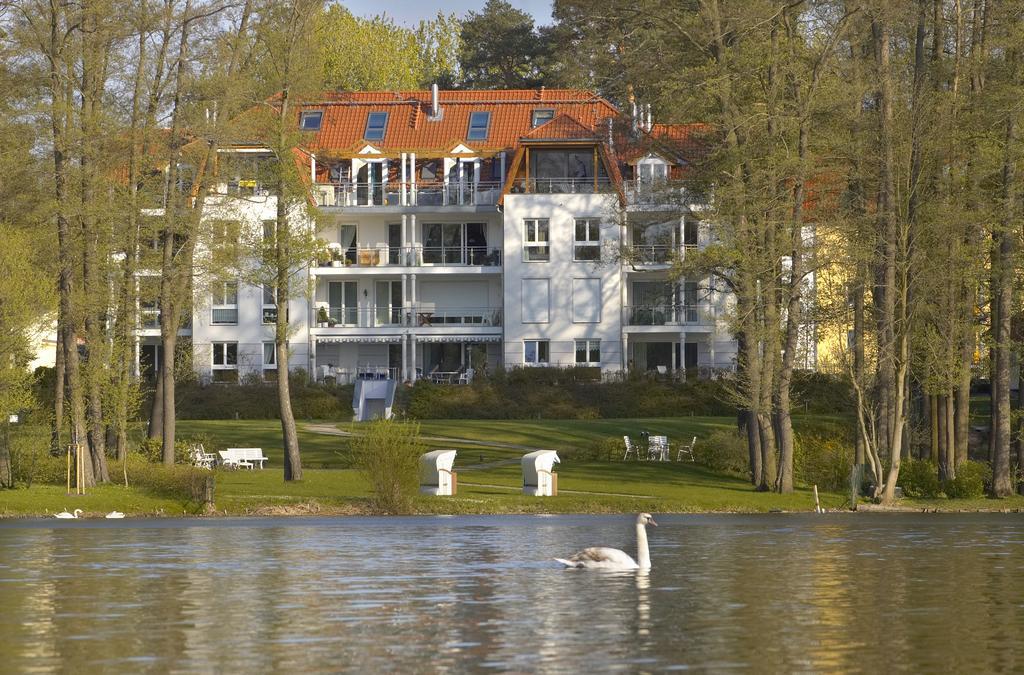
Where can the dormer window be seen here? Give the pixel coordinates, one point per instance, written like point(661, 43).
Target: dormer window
point(310, 120)
point(542, 115)
point(376, 125)
point(479, 125)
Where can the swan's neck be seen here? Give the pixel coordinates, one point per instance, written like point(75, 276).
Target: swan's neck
point(643, 556)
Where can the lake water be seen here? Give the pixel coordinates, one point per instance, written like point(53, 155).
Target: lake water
point(858, 592)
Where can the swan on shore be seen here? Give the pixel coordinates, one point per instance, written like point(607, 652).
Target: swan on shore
point(65, 514)
point(114, 514)
point(600, 557)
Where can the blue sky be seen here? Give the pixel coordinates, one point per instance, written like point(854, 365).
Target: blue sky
point(410, 12)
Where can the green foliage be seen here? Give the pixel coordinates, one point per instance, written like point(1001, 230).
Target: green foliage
point(563, 393)
point(970, 481)
point(919, 478)
point(723, 450)
point(824, 461)
point(500, 48)
point(30, 457)
point(822, 393)
point(378, 54)
point(388, 455)
point(186, 483)
point(258, 400)
point(151, 449)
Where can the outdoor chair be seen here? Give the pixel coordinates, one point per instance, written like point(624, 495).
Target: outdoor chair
point(201, 458)
point(630, 449)
point(657, 448)
point(686, 450)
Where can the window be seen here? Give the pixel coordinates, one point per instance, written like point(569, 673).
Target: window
point(536, 352)
point(588, 352)
point(310, 120)
point(479, 123)
point(542, 115)
point(269, 304)
point(343, 303)
point(376, 125)
point(225, 361)
point(269, 230)
point(587, 244)
point(269, 355)
point(536, 240)
point(225, 303)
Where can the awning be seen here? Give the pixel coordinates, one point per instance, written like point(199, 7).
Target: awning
point(468, 339)
point(394, 339)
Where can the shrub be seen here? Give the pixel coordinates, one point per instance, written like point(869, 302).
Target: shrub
point(970, 481)
point(31, 461)
point(723, 450)
point(255, 399)
point(388, 455)
point(825, 461)
point(919, 478)
point(186, 483)
point(822, 393)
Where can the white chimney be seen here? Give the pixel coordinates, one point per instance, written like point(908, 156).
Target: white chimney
point(435, 104)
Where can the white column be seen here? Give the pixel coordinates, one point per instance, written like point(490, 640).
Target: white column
point(405, 239)
point(460, 178)
point(625, 352)
point(401, 186)
point(312, 358)
point(405, 299)
point(412, 166)
point(405, 358)
point(412, 359)
point(138, 355)
point(675, 359)
point(417, 258)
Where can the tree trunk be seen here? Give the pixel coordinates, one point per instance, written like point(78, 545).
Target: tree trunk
point(950, 469)
point(940, 406)
point(1003, 248)
point(169, 340)
point(156, 413)
point(56, 430)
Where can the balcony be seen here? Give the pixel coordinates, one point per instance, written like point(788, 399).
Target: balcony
point(668, 315)
point(421, 316)
point(413, 256)
point(643, 255)
point(546, 186)
point(464, 193)
point(658, 193)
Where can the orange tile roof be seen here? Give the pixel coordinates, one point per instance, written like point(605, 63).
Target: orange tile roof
point(409, 129)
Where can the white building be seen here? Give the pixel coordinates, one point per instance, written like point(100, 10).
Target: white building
point(472, 230)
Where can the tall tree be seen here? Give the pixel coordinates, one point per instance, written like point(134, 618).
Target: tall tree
point(500, 49)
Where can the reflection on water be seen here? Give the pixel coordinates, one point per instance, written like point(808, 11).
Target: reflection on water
point(778, 593)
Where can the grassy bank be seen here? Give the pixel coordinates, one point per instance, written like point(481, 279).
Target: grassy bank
point(489, 477)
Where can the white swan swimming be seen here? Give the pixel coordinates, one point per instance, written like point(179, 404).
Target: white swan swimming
point(114, 514)
point(65, 514)
point(600, 557)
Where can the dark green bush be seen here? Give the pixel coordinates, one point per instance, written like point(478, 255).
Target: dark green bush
point(563, 393)
point(255, 399)
point(970, 481)
point(822, 393)
point(824, 461)
point(723, 450)
point(186, 483)
point(919, 478)
point(388, 455)
point(30, 457)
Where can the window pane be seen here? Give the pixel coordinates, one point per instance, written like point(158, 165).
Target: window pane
point(542, 351)
point(231, 293)
point(581, 351)
point(581, 230)
point(595, 351)
point(218, 354)
point(376, 124)
point(231, 353)
point(269, 354)
point(478, 124)
point(530, 351)
point(542, 230)
point(226, 315)
point(350, 294)
point(268, 295)
point(542, 115)
point(310, 120)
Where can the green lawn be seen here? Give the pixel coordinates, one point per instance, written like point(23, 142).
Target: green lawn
point(329, 485)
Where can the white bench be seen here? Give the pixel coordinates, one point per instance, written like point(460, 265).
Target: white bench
point(237, 458)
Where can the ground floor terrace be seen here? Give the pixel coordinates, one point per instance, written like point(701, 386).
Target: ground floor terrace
point(445, 359)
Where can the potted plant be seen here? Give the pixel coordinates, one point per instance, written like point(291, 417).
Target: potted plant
point(322, 318)
point(337, 257)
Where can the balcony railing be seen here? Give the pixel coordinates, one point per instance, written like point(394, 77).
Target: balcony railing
point(434, 193)
point(419, 316)
point(414, 256)
point(655, 254)
point(561, 185)
point(667, 314)
point(658, 192)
